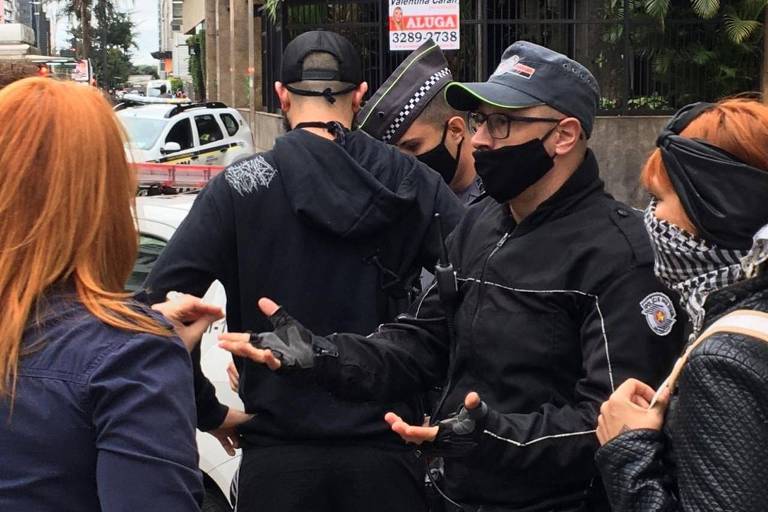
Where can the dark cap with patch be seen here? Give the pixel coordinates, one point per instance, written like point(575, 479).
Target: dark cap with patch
point(405, 94)
point(349, 70)
point(531, 75)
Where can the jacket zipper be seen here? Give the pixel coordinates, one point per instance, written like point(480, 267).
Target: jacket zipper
point(455, 355)
point(481, 292)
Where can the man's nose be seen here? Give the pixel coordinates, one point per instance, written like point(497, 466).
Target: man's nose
point(482, 140)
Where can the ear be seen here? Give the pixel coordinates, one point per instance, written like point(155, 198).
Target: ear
point(457, 128)
point(357, 96)
point(284, 96)
point(568, 135)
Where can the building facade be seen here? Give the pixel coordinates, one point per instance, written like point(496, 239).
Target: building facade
point(31, 15)
point(7, 11)
point(173, 53)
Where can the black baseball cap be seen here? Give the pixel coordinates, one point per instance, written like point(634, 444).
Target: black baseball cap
point(350, 69)
point(530, 75)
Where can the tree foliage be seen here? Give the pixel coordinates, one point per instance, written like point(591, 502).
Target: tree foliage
point(110, 41)
point(740, 18)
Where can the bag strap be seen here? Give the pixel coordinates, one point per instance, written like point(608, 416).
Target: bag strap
point(742, 321)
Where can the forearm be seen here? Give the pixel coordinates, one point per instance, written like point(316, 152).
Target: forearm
point(634, 474)
point(392, 364)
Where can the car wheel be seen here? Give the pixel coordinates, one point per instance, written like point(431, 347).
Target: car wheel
point(215, 502)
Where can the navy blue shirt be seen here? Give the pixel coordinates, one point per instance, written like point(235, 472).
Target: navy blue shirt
point(103, 420)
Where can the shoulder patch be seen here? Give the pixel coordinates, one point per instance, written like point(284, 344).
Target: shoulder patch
point(659, 312)
point(249, 175)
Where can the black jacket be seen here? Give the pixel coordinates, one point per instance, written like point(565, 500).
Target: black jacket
point(335, 232)
point(713, 451)
point(548, 324)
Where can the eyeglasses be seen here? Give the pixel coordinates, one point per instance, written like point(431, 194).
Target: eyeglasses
point(499, 125)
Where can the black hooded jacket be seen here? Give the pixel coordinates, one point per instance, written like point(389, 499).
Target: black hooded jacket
point(549, 322)
point(335, 231)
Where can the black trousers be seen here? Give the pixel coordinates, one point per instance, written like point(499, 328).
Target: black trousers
point(329, 478)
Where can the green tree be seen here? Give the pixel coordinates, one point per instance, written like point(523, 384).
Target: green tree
point(196, 44)
point(145, 69)
point(111, 43)
point(271, 7)
point(740, 18)
point(81, 10)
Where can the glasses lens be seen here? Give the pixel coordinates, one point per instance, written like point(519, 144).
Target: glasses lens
point(498, 126)
point(474, 121)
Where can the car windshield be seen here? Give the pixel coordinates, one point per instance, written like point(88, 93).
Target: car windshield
point(143, 132)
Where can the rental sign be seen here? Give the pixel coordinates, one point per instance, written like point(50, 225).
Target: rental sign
point(412, 22)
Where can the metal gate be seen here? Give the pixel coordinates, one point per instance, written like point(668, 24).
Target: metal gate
point(642, 66)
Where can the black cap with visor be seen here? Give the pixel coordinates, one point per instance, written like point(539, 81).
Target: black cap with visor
point(348, 71)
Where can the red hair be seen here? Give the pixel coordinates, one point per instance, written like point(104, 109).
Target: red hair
point(738, 126)
point(66, 192)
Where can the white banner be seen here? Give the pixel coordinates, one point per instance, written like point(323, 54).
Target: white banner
point(412, 22)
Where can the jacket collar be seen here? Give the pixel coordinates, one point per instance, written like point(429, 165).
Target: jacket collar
point(583, 183)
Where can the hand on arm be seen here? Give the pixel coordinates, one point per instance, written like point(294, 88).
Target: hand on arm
point(189, 316)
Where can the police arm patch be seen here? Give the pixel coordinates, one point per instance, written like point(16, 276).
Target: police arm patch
point(659, 312)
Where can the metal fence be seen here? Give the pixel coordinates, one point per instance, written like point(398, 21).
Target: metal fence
point(642, 66)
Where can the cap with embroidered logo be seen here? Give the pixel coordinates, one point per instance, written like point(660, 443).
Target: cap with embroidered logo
point(530, 75)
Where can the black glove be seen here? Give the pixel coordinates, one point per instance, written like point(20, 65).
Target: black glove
point(292, 343)
point(459, 433)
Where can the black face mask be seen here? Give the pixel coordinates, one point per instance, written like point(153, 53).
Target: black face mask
point(506, 172)
point(441, 160)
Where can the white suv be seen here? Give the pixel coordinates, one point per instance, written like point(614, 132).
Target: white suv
point(158, 217)
point(173, 132)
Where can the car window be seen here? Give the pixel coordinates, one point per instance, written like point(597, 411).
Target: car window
point(150, 248)
point(181, 133)
point(143, 132)
point(230, 123)
point(208, 129)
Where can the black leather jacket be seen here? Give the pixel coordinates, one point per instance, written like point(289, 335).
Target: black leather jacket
point(713, 452)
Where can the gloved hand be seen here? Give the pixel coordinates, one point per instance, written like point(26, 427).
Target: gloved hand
point(459, 433)
point(454, 436)
point(290, 342)
point(290, 346)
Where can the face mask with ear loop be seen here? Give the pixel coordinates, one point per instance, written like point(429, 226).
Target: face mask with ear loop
point(507, 172)
point(441, 160)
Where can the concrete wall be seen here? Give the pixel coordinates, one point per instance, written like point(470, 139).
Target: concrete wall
point(224, 68)
point(239, 21)
point(211, 51)
point(621, 144)
point(266, 128)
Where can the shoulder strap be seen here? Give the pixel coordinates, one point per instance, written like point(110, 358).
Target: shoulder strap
point(742, 321)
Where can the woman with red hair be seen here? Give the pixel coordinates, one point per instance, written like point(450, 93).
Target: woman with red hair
point(97, 408)
point(701, 442)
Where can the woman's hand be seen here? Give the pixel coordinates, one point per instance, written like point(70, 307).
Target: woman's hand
point(189, 316)
point(628, 408)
